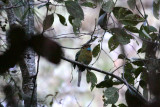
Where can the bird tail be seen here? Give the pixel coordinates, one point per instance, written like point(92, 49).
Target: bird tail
point(79, 78)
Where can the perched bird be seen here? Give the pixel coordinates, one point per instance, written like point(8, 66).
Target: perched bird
point(83, 56)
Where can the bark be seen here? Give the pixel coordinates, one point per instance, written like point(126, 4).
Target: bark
point(28, 64)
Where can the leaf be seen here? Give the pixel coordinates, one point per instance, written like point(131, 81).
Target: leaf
point(96, 50)
point(76, 25)
point(122, 105)
point(71, 18)
point(112, 95)
point(128, 68)
point(144, 32)
point(132, 99)
point(91, 78)
point(117, 82)
point(138, 62)
point(105, 84)
point(74, 9)
point(101, 12)
point(62, 19)
point(126, 17)
point(132, 4)
point(112, 43)
point(121, 56)
point(129, 77)
point(138, 71)
point(131, 29)
point(88, 4)
point(152, 29)
point(144, 76)
point(143, 84)
point(121, 36)
point(108, 6)
point(114, 105)
point(102, 21)
point(154, 36)
point(48, 21)
point(128, 73)
point(156, 8)
point(148, 32)
point(51, 103)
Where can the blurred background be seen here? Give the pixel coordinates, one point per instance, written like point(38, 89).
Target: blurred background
point(58, 83)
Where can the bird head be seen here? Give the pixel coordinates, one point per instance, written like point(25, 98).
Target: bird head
point(87, 46)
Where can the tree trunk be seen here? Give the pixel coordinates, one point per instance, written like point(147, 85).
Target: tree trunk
point(27, 65)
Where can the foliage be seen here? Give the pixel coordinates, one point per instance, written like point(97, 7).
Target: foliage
point(138, 73)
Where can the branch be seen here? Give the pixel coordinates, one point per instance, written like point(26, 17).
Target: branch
point(10, 14)
point(110, 74)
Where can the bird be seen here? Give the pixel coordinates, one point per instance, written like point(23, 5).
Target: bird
point(84, 56)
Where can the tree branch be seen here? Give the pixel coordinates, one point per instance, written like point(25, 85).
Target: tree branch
point(110, 74)
point(27, 65)
point(10, 13)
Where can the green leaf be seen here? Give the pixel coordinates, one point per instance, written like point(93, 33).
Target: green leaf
point(113, 43)
point(74, 9)
point(154, 36)
point(112, 95)
point(48, 21)
point(138, 63)
point(144, 32)
point(148, 32)
point(106, 77)
point(129, 77)
point(88, 4)
point(144, 76)
point(121, 56)
point(71, 18)
point(128, 73)
point(91, 78)
point(51, 103)
point(62, 19)
point(143, 84)
point(121, 36)
point(156, 8)
point(96, 50)
point(128, 68)
point(101, 12)
point(76, 25)
point(126, 17)
point(105, 84)
point(138, 71)
point(133, 99)
point(131, 29)
point(152, 29)
point(143, 48)
point(114, 105)
point(117, 82)
point(132, 4)
point(108, 6)
point(122, 105)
